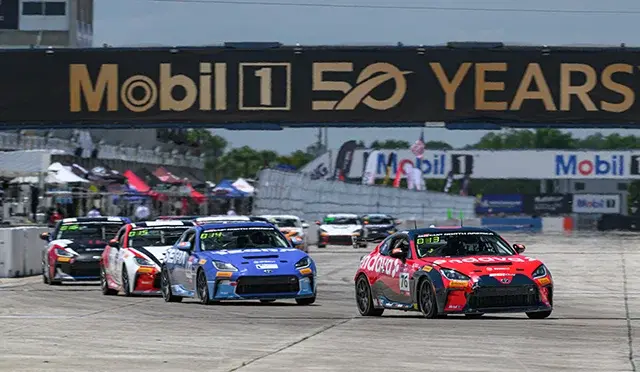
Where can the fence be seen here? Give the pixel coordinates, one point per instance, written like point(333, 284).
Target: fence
point(293, 193)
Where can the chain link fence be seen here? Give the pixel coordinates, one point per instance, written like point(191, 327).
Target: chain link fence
point(293, 193)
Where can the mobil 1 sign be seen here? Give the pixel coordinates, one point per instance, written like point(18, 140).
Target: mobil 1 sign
point(596, 203)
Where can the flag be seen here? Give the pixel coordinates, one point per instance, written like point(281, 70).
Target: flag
point(369, 174)
point(387, 175)
point(418, 147)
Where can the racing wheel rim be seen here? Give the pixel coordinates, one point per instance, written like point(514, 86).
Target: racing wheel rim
point(363, 295)
point(164, 284)
point(202, 287)
point(426, 298)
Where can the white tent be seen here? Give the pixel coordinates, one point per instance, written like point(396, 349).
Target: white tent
point(56, 174)
point(244, 186)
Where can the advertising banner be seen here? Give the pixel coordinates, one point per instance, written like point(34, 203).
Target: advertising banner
point(548, 204)
point(511, 164)
point(596, 203)
point(500, 203)
point(9, 14)
point(319, 85)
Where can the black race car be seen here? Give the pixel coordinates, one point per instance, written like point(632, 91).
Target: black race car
point(375, 228)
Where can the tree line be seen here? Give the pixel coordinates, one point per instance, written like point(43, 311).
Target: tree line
point(225, 162)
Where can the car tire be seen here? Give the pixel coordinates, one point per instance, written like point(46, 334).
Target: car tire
point(267, 301)
point(51, 281)
point(45, 279)
point(104, 285)
point(363, 245)
point(306, 301)
point(322, 245)
point(364, 299)
point(202, 288)
point(539, 314)
point(126, 285)
point(165, 287)
point(427, 302)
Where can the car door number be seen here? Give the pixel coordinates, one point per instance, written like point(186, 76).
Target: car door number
point(404, 281)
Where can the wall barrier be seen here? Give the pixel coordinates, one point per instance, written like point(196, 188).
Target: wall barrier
point(21, 251)
point(294, 193)
point(501, 224)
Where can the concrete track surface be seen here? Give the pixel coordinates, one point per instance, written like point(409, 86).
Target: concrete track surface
point(595, 325)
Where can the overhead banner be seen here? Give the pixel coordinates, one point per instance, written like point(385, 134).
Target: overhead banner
point(596, 203)
point(332, 86)
point(512, 164)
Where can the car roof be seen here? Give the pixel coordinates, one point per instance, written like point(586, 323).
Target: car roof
point(107, 219)
point(377, 215)
point(227, 219)
point(212, 226)
point(161, 223)
point(435, 230)
point(284, 216)
point(342, 215)
point(178, 218)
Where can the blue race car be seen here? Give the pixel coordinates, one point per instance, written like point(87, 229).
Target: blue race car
point(237, 261)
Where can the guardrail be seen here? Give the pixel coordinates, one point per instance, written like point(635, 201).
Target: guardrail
point(21, 251)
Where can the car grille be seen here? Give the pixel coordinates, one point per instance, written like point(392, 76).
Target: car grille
point(79, 269)
point(341, 239)
point(507, 296)
point(267, 284)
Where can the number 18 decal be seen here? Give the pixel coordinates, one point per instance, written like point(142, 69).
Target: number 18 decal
point(404, 281)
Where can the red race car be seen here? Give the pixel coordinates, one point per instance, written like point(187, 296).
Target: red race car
point(461, 270)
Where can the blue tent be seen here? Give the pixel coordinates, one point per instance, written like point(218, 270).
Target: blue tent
point(225, 189)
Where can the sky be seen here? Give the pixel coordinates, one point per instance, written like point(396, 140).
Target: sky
point(210, 22)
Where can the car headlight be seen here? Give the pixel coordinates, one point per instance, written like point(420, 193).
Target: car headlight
point(143, 262)
point(224, 266)
point(322, 232)
point(356, 233)
point(453, 275)
point(305, 262)
point(392, 231)
point(296, 240)
point(63, 252)
point(540, 272)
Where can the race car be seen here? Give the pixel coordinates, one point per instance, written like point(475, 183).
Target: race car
point(338, 229)
point(131, 262)
point(461, 270)
point(237, 261)
point(376, 227)
point(223, 218)
point(292, 227)
point(74, 248)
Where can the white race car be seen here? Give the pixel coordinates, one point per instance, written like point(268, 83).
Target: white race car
point(338, 229)
point(132, 261)
point(292, 227)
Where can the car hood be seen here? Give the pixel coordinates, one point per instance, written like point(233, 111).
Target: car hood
point(340, 229)
point(81, 246)
point(155, 253)
point(474, 266)
point(258, 258)
point(374, 226)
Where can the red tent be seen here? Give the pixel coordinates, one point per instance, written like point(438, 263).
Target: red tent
point(139, 185)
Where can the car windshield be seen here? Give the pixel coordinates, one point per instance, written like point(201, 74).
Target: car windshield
point(378, 220)
point(461, 244)
point(155, 237)
point(241, 238)
point(101, 231)
point(285, 222)
point(341, 221)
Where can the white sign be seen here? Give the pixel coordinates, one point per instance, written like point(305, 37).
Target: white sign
point(512, 164)
point(596, 203)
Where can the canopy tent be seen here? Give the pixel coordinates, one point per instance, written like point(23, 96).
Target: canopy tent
point(138, 185)
point(166, 177)
point(244, 186)
point(56, 174)
point(99, 175)
point(225, 189)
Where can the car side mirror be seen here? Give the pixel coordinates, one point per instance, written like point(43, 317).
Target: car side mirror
point(318, 223)
point(184, 246)
point(44, 236)
point(305, 225)
point(114, 243)
point(400, 254)
point(519, 248)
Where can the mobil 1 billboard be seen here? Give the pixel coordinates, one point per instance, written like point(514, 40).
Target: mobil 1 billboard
point(508, 164)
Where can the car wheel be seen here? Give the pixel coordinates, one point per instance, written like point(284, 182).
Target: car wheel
point(202, 288)
point(427, 300)
point(321, 245)
point(364, 299)
point(363, 245)
point(104, 285)
point(474, 316)
point(45, 279)
point(165, 287)
point(51, 281)
point(539, 314)
point(306, 301)
point(267, 301)
point(126, 286)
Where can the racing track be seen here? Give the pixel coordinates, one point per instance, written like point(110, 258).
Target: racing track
point(595, 325)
